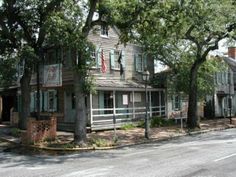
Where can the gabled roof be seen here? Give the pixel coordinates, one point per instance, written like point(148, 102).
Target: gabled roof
point(230, 61)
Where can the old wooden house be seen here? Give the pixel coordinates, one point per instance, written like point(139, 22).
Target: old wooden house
point(119, 97)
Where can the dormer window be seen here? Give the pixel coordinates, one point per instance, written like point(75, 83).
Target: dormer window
point(104, 30)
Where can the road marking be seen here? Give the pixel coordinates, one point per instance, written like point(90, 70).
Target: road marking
point(138, 153)
point(226, 157)
point(100, 171)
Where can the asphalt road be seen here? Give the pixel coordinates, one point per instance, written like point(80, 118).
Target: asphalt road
point(206, 155)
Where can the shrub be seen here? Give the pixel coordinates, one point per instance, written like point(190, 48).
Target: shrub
point(15, 132)
point(127, 127)
point(161, 122)
point(100, 142)
point(141, 124)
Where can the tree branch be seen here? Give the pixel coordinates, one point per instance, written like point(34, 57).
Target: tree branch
point(87, 26)
point(51, 7)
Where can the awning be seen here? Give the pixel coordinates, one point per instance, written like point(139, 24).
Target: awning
point(127, 85)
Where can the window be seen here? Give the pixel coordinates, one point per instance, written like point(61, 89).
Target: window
point(176, 104)
point(108, 102)
point(104, 30)
point(73, 101)
point(140, 62)
point(94, 58)
point(117, 57)
point(116, 64)
point(137, 97)
point(52, 102)
point(67, 58)
point(51, 57)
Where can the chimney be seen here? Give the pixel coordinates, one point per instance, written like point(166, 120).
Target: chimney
point(232, 52)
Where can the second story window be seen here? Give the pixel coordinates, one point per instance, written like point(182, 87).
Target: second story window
point(140, 62)
point(176, 102)
point(117, 58)
point(94, 58)
point(104, 30)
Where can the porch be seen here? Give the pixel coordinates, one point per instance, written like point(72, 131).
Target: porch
point(123, 103)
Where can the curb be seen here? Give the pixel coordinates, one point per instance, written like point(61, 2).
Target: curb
point(118, 146)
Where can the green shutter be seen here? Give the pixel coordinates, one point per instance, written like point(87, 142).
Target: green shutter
point(180, 102)
point(144, 64)
point(41, 100)
point(32, 102)
point(45, 95)
point(123, 58)
point(136, 62)
point(112, 59)
point(173, 102)
point(55, 101)
point(101, 101)
point(98, 58)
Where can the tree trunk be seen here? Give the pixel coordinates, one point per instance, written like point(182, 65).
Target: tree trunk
point(192, 121)
point(25, 99)
point(81, 119)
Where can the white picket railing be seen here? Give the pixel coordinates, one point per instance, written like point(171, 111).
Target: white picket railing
point(120, 116)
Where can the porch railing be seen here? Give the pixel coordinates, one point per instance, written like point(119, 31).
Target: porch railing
point(105, 118)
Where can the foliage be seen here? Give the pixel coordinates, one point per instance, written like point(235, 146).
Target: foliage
point(177, 31)
point(7, 72)
point(127, 126)
point(161, 122)
point(140, 124)
point(15, 132)
point(179, 81)
point(100, 142)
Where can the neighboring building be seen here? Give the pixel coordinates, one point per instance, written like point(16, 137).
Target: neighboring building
point(176, 102)
point(120, 97)
point(223, 102)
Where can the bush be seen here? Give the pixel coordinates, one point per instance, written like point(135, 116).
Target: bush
point(15, 132)
point(141, 124)
point(127, 127)
point(101, 142)
point(161, 122)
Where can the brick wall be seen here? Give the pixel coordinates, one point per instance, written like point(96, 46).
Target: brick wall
point(40, 130)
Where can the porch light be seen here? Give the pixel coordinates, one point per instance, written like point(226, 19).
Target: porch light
point(146, 75)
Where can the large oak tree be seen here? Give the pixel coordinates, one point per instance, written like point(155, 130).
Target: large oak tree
point(171, 30)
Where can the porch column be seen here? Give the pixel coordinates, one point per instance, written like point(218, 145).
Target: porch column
point(160, 92)
point(114, 102)
point(150, 103)
point(91, 108)
point(0, 109)
point(133, 105)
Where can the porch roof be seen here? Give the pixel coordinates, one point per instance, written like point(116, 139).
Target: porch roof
point(127, 85)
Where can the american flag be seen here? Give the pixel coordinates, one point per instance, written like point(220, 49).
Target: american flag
point(104, 67)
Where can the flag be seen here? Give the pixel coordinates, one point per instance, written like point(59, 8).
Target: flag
point(104, 67)
point(120, 62)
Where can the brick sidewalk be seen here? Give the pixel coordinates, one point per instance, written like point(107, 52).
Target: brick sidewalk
point(135, 135)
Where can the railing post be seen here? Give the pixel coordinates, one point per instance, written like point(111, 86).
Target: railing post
point(133, 104)
point(150, 103)
point(91, 109)
point(114, 113)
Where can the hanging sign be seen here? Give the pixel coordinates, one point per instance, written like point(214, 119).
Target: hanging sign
point(52, 75)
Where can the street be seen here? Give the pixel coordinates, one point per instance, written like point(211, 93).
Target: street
point(206, 155)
